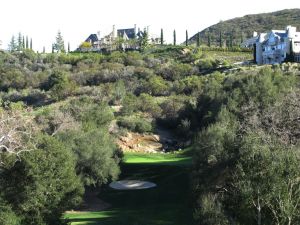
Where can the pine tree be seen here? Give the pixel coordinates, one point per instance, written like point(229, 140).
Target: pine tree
point(68, 47)
point(198, 39)
point(144, 40)
point(174, 37)
point(186, 38)
point(59, 46)
point(52, 50)
point(31, 43)
point(161, 36)
point(12, 45)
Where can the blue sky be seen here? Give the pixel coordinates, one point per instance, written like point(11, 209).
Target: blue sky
point(41, 19)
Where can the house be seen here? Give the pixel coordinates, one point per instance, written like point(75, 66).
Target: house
point(277, 46)
point(118, 39)
point(94, 40)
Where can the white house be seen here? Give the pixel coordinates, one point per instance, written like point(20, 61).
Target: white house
point(277, 46)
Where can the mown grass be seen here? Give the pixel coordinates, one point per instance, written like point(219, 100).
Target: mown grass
point(167, 204)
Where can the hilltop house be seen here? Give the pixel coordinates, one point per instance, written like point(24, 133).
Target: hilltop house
point(277, 46)
point(116, 39)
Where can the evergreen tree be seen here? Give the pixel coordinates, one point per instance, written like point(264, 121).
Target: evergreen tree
point(12, 45)
point(44, 50)
point(198, 39)
point(220, 39)
point(161, 36)
point(144, 40)
point(31, 43)
point(19, 42)
point(68, 46)
point(59, 45)
point(209, 39)
point(242, 37)
point(231, 39)
point(186, 38)
point(23, 42)
point(174, 37)
point(52, 48)
point(26, 45)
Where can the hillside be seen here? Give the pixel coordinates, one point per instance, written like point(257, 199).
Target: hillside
point(242, 28)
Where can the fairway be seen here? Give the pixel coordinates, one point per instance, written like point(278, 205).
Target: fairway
point(166, 204)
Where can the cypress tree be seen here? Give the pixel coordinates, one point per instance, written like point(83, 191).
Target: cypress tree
point(68, 46)
point(19, 45)
point(26, 46)
point(231, 39)
point(242, 37)
point(44, 50)
point(31, 43)
point(174, 37)
point(23, 42)
point(186, 38)
point(198, 39)
point(161, 36)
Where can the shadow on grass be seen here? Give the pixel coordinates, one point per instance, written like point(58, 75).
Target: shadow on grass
point(167, 204)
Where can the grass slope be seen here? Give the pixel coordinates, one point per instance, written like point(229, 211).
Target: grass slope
point(166, 204)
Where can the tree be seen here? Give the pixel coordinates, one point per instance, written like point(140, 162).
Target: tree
point(209, 39)
point(12, 45)
point(43, 184)
point(174, 37)
point(186, 38)
point(161, 36)
point(30, 44)
point(69, 47)
point(220, 39)
point(20, 42)
point(44, 50)
point(198, 39)
point(26, 45)
point(144, 42)
point(231, 39)
point(16, 128)
point(59, 45)
point(60, 85)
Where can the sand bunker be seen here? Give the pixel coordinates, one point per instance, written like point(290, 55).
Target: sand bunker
point(131, 185)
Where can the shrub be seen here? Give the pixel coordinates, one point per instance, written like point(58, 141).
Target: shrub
point(139, 125)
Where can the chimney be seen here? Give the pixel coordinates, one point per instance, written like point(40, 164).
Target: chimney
point(114, 31)
point(291, 31)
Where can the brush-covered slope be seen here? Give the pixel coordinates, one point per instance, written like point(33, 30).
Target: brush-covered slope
point(239, 29)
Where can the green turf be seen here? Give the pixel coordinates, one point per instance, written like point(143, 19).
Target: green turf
point(157, 158)
point(167, 204)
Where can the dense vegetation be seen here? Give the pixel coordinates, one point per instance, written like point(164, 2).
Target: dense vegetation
point(62, 113)
point(238, 29)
